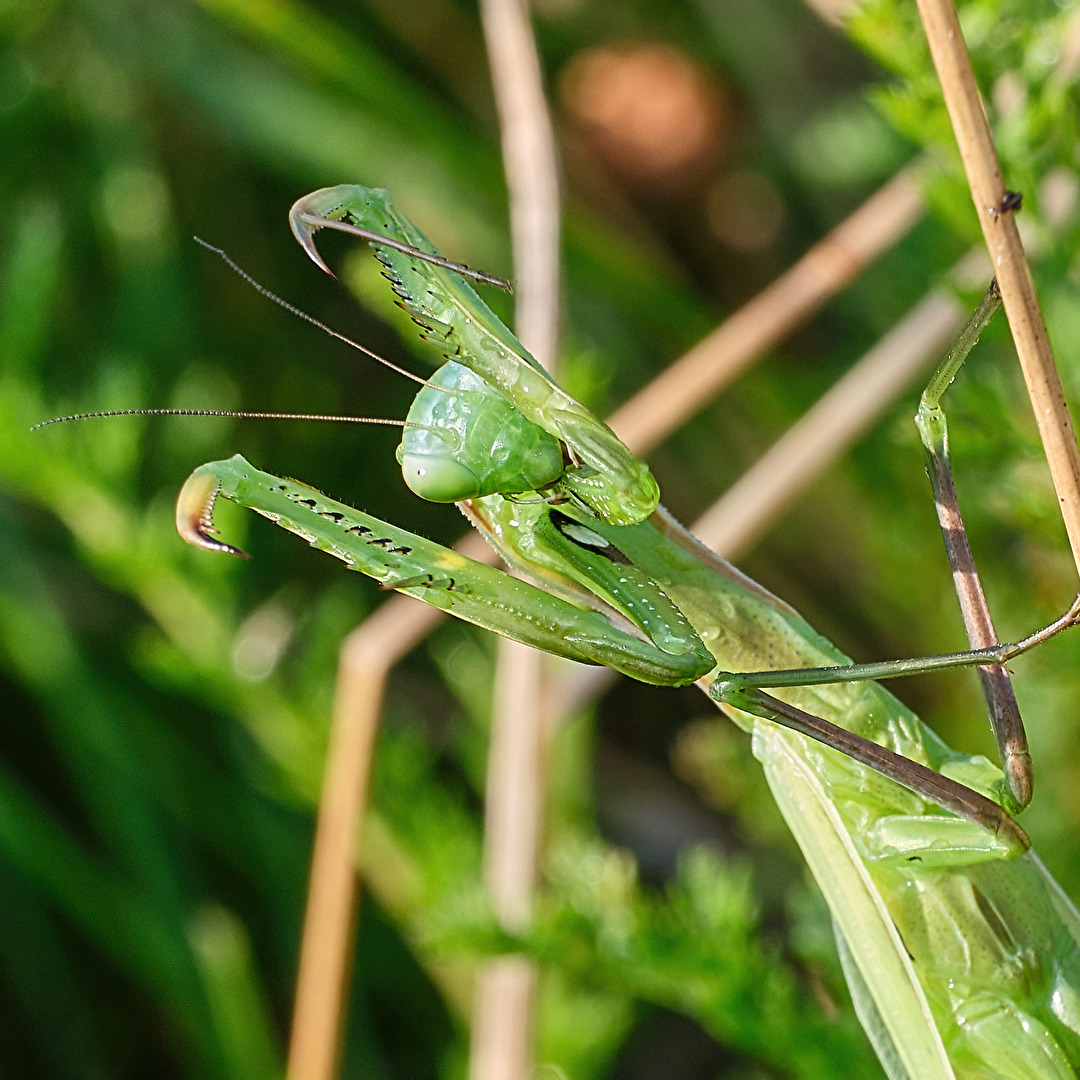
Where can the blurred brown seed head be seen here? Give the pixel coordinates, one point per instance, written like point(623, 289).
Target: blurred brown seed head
point(650, 113)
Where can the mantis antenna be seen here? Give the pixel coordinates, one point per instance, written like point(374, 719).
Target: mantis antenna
point(224, 412)
point(293, 310)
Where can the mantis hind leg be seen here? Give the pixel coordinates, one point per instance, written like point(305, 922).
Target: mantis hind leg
point(746, 691)
point(924, 838)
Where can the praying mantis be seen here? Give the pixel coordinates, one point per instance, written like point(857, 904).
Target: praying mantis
point(962, 953)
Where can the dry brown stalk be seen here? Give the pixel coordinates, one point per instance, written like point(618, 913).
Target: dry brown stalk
point(366, 657)
point(325, 947)
point(1007, 255)
point(502, 1014)
point(501, 1045)
point(837, 419)
point(532, 174)
point(693, 380)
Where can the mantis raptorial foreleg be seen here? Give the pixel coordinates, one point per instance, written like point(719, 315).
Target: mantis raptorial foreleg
point(671, 655)
point(603, 475)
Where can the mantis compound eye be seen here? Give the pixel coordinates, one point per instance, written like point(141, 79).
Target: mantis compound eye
point(439, 479)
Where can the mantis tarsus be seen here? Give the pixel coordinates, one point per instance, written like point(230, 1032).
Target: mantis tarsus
point(961, 952)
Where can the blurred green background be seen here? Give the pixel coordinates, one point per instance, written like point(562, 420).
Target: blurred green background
point(165, 712)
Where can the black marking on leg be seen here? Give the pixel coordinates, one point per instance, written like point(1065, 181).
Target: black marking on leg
point(585, 538)
point(416, 581)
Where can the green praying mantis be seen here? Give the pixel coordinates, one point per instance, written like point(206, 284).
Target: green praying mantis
point(962, 953)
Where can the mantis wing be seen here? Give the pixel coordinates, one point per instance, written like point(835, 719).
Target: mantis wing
point(887, 994)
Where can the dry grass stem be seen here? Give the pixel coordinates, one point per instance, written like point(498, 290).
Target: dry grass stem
point(532, 174)
point(688, 384)
point(504, 999)
point(501, 1047)
point(512, 820)
point(502, 1013)
point(326, 945)
point(839, 417)
point(1007, 255)
point(366, 656)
